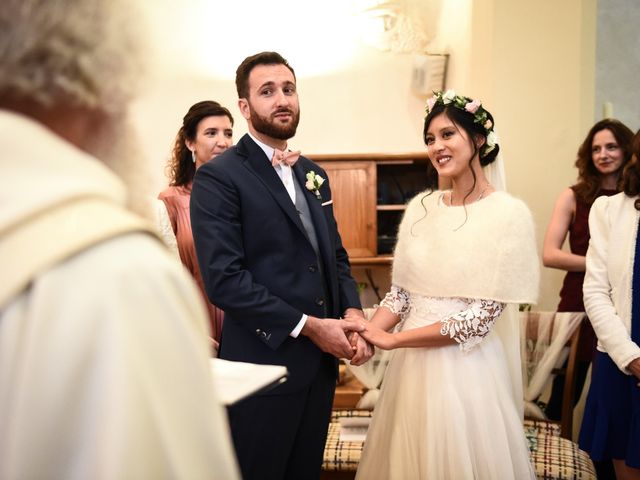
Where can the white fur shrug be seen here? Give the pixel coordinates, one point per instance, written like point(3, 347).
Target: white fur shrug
point(490, 255)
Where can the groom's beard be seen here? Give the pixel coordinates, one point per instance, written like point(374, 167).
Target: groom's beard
point(116, 144)
point(271, 128)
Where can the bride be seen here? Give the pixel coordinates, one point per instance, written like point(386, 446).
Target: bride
point(451, 400)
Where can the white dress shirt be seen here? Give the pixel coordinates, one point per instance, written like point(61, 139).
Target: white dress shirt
point(284, 171)
point(286, 175)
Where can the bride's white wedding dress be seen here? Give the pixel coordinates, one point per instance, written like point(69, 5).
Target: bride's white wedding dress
point(446, 412)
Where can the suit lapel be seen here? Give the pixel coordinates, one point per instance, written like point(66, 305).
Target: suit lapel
point(259, 165)
point(317, 214)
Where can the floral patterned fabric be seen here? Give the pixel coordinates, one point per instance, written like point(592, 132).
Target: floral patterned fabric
point(467, 326)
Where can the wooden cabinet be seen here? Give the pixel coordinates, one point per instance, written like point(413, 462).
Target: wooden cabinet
point(370, 192)
point(353, 192)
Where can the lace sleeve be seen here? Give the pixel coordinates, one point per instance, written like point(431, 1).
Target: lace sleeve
point(468, 327)
point(397, 300)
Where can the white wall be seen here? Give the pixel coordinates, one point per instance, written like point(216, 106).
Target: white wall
point(532, 64)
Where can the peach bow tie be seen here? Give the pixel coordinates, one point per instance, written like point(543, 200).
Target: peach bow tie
point(286, 158)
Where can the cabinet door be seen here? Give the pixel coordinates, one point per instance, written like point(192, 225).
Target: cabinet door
point(353, 188)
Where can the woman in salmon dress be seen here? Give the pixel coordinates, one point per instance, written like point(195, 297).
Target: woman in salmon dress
point(206, 132)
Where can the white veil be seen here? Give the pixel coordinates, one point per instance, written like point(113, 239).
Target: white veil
point(494, 172)
point(508, 329)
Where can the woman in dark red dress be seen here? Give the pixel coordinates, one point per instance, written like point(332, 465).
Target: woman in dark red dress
point(603, 153)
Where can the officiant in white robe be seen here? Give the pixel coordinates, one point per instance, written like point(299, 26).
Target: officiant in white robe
point(104, 354)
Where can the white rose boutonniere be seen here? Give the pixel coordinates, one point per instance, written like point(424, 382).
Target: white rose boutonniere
point(313, 184)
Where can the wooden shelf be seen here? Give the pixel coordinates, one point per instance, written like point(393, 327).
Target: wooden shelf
point(371, 261)
point(390, 208)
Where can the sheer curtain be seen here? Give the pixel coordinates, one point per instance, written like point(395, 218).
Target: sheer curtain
point(543, 347)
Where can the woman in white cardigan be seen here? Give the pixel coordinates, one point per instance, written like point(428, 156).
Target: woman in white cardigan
point(611, 425)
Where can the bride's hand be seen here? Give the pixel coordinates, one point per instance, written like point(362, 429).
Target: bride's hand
point(378, 337)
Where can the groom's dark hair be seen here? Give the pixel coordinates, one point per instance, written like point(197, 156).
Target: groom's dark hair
point(248, 64)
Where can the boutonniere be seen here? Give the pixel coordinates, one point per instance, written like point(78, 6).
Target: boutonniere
point(314, 182)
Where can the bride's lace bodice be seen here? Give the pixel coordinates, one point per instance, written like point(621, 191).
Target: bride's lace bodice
point(465, 320)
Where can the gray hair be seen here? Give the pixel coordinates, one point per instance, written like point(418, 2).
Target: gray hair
point(84, 53)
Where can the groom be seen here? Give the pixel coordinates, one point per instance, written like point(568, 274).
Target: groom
point(272, 259)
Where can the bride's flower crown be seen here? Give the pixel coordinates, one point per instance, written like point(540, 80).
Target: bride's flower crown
point(474, 107)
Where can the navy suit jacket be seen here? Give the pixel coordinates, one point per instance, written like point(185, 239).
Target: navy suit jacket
point(258, 264)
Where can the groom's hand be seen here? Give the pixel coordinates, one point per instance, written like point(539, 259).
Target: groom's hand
point(330, 335)
point(363, 349)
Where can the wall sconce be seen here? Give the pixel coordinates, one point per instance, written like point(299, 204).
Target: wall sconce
point(429, 73)
point(394, 25)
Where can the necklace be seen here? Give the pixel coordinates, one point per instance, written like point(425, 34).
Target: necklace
point(484, 190)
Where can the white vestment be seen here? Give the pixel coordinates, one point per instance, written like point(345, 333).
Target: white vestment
point(104, 356)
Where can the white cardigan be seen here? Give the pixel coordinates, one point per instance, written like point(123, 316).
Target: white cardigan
point(613, 223)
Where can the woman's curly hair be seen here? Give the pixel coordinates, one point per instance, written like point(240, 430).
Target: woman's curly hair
point(588, 176)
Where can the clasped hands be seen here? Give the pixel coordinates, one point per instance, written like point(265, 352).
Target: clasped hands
point(340, 337)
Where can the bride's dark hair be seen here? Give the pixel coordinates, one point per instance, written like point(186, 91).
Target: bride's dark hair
point(465, 120)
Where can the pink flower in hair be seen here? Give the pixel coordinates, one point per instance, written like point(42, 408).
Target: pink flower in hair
point(472, 107)
point(431, 102)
